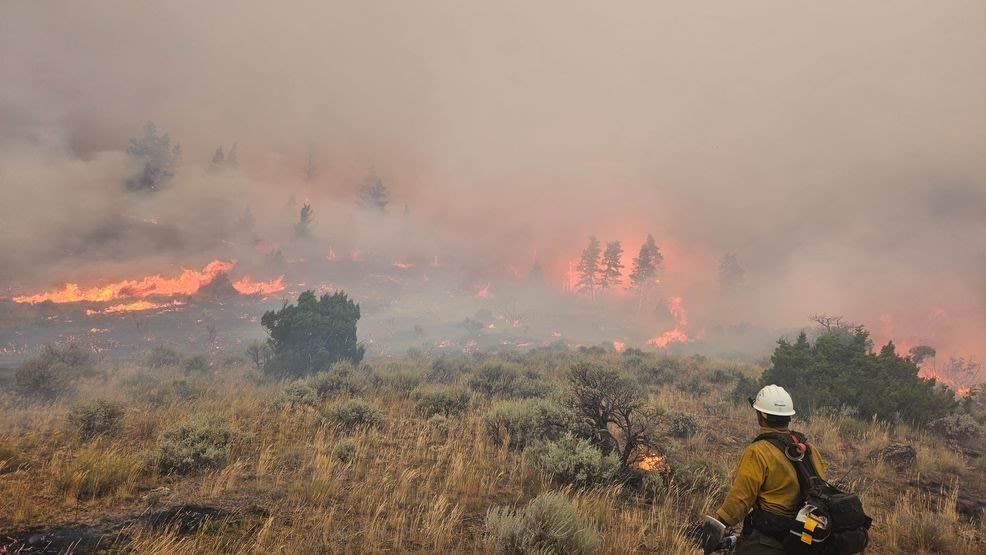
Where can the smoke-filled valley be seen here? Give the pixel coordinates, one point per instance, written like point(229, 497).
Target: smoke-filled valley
point(655, 184)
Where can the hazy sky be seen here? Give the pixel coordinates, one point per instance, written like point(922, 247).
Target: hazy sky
point(838, 148)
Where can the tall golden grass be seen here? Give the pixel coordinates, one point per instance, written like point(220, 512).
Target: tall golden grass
point(409, 489)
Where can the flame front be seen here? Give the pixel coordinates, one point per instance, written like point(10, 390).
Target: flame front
point(188, 282)
point(676, 307)
point(246, 286)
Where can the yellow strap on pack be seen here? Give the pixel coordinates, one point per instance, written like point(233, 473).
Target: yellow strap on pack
point(810, 525)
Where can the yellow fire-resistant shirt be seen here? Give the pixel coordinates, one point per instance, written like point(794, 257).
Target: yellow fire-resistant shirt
point(765, 476)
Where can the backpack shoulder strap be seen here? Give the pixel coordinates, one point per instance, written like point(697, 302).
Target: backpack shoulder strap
point(804, 468)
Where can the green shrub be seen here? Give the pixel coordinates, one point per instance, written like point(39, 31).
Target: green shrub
point(572, 460)
point(314, 333)
point(548, 524)
point(340, 378)
point(196, 443)
point(447, 402)
point(852, 427)
point(96, 417)
point(401, 382)
point(682, 425)
point(957, 427)
point(720, 376)
point(53, 372)
point(660, 372)
point(163, 357)
point(693, 385)
point(529, 420)
point(446, 369)
point(500, 380)
point(197, 364)
point(297, 394)
point(840, 368)
point(344, 450)
point(354, 413)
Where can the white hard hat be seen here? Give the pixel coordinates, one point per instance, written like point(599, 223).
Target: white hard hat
point(773, 400)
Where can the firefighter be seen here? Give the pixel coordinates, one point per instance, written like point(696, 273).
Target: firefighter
point(765, 493)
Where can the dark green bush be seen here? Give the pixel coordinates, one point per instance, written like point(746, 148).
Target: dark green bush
point(196, 443)
point(96, 417)
point(447, 402)
point(840, 368)
point(315, 333)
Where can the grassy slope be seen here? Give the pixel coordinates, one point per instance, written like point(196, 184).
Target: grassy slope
point(410, 488)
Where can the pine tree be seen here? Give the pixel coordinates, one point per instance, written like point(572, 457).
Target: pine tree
point(588, 267)
point(646, 264)
point(612, 272)
point(218, 161)
point(153, 160)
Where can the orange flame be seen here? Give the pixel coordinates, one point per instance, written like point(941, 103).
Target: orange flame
point(401, 265)
point(246, 286)
point(187, 283)
point(676, 307)
point(619, 346)
point(653, 462)
point(136, 306)
point(484, 292)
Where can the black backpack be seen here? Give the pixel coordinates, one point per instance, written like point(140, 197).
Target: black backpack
point(829, 520)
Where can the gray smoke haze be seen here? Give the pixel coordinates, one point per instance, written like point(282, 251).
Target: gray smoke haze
point(838, 148)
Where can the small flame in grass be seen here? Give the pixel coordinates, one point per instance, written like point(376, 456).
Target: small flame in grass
point(401, 265)
point(619, 346)
point(484, 292)
point(653, 462)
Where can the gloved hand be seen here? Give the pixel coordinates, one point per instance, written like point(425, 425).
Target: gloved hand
point(710, 534)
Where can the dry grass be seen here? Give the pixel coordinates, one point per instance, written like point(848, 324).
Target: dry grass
point(409, 489)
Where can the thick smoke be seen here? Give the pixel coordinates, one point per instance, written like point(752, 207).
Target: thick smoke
point(836, 148)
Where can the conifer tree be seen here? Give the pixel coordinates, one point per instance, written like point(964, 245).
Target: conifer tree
point(646, 265)
point(588, 267)
point(731, 274)
point(218, 161)
point(612, 271)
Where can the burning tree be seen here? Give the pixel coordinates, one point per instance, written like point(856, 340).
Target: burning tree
point(612, 272)
point(313, 334)
point(588, 267)
point(303, 229)
point(153, 160)
point(615, 408)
